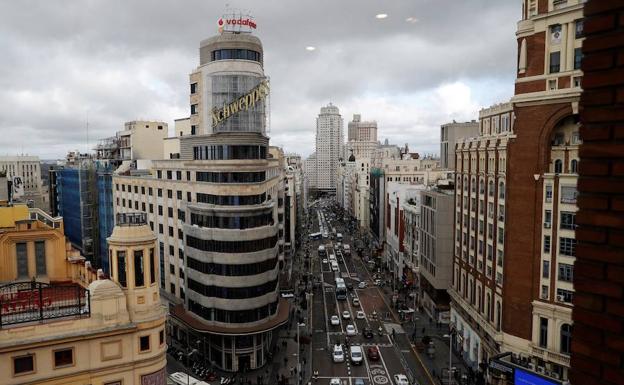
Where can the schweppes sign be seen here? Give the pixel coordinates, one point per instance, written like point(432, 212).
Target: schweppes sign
point(245, 102)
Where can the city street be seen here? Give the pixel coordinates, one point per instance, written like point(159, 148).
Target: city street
point(396, 354)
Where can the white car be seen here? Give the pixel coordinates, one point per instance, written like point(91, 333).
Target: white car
point(356, 301)
point(360, 315)
point(335, 320)
point(362, 285)
point(400, 379)
point(346, 314)
point(324, 260)
point(338, 354)
point(335, 381)
point(351, 330)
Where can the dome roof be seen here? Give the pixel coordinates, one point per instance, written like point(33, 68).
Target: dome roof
point(352, 158)
point(131, 234)
point(104, 288)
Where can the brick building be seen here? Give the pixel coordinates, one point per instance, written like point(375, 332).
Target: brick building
point(514, 294)
point(598, 342)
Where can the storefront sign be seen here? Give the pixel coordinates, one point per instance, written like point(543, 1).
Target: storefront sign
point(245, 102)
point(234, 23)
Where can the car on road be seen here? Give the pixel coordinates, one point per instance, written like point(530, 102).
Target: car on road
point(362, 285)
point(288, 295)
point(356, 301)
point(378, 282)
point(358, 381)
point(324, 260)
point(350, 286)
point(357, 356)
point(360, 315)
point(367, 333)
point(373, 353)
point(351, 330)
point(335, 320)
point(346, 314)
point(338, 354)
point(335, 381)
point(400, 379)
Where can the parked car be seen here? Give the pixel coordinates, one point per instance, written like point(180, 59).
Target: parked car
point(338, 354)
point(400, 379)
point(373, 353)
point(334, 320)
point(351, 330)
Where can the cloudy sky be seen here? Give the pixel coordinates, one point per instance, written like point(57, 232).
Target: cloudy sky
point(111, 61)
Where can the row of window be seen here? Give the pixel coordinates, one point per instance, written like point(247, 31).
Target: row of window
point(566, 271)
point(239, 223)
point(555, 60)
point(232, 292)
point(231, 246)
point(558, 166)
point(65, 357)
point(565, 336)
point(568, 194)
point(567, 220)
point(231, 270)
point(567, 246)
point(139, 274)
point(233, 316)
point(22, 259)
point(231, 200)
point(235, 54)
point(229, 152)
point(230, 177)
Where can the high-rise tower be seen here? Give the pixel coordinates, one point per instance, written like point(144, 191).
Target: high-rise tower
point(329, 143)
point(219, 209)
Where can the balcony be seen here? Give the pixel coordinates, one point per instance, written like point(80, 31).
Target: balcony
point(551, 356)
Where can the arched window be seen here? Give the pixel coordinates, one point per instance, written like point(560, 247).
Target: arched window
point(473, 185)
point(466, 183)
point(574, 166)
point(501, 190)
point(481, 186)
point(558, 166)
point(499, 315)
point(566, 338)
point(491, 188)
point(488, 304)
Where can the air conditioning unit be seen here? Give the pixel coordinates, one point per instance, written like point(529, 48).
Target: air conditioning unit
point(541, 370)
point(560, 298)
point(547, 225)
point(555, 375)
point(532, 366)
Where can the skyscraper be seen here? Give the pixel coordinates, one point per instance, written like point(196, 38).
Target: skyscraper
point(329, 144)
point(219, 211)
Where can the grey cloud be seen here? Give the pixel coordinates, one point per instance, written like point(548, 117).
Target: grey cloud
point(118, 60)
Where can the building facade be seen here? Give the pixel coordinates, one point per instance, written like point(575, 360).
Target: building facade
point(329, 147)
point(436, 251)
point(87, 329)
point(528, 290)
point(140, 139)
point(450, 134)
point(219, 212)
point(28, 169)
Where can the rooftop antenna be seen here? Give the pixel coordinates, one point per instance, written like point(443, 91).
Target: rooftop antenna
point(87, 149)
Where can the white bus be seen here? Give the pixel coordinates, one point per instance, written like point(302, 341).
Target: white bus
point(341, 289)
point(315, 236)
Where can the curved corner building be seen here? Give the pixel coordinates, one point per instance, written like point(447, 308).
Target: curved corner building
point(232, 252)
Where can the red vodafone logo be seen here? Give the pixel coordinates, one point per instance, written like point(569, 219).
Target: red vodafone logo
point(220, 22)
point(236, 24)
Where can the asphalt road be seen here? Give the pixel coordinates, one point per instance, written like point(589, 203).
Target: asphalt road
point(396, 355)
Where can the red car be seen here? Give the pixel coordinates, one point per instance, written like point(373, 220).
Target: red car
point(373, 353)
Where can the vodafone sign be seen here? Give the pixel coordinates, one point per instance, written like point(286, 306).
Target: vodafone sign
point(233, 23)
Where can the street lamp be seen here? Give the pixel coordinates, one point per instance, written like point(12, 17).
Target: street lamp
point(188, 357)
point(450, 337)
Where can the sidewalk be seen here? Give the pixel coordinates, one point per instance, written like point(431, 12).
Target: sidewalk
point(439, 363)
